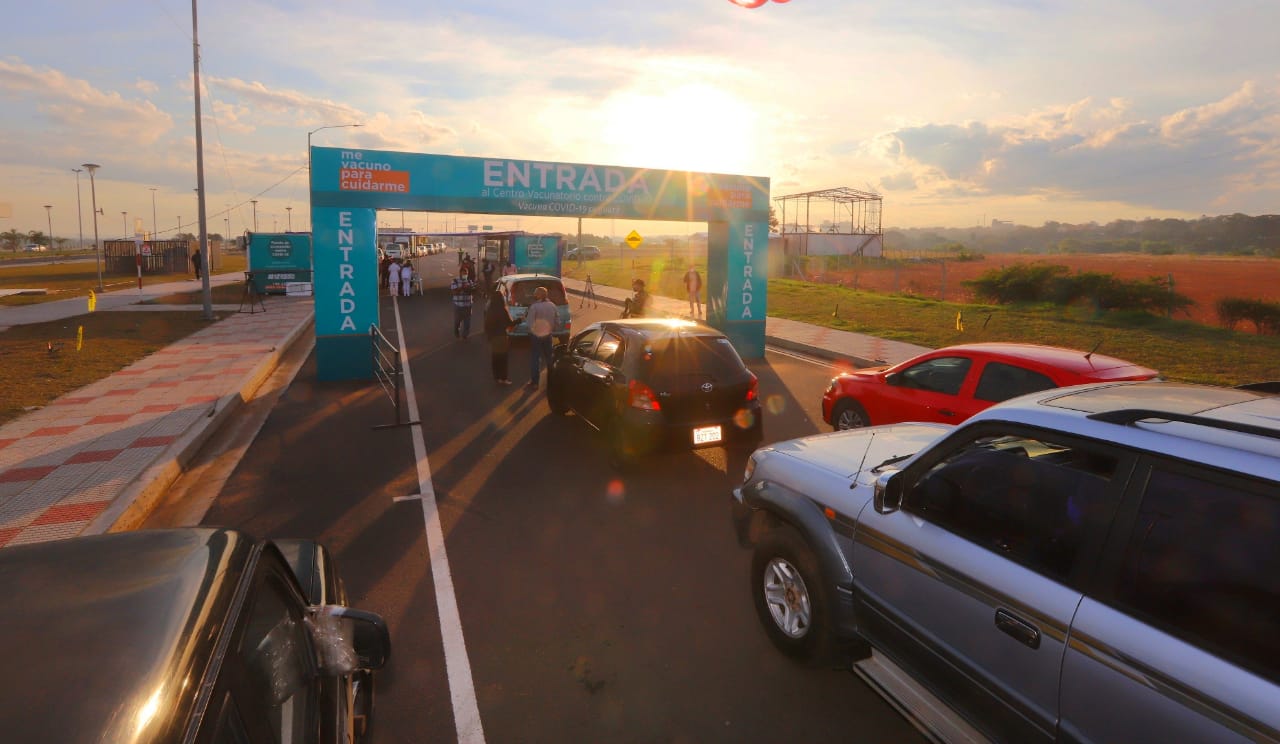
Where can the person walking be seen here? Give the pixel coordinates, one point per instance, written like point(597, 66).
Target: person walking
point(541, 319)
point(463, 291)
point(393, 277)
point(406, 278)
point(497, 322)
point(487, 272)
point(693, 286)
point(195, 263)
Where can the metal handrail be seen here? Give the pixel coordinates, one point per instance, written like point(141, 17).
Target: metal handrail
point(389, 371)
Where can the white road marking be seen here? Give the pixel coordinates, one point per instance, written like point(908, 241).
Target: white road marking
point(466, 712)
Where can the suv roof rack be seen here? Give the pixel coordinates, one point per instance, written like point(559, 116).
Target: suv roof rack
point(1127, 416)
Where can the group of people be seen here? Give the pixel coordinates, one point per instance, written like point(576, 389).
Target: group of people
point(397, 276)
point(541, 319)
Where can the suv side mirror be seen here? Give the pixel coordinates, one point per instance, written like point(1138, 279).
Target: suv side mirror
point(887, 496)
point(346, 639)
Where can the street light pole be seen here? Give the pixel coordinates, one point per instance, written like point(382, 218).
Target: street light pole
point(93, 190)
point(48, 213)
point(153, 213)
point(290, 211)
point(124, 219)
point(79, 213)
point(254, 202)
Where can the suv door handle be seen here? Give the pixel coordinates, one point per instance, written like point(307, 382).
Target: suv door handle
point(1023, 631)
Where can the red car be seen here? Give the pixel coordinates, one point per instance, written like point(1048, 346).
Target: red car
point(951, 384)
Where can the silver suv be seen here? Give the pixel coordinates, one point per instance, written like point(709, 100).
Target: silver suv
point(1098, 563)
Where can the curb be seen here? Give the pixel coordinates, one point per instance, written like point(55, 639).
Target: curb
point(138, 499)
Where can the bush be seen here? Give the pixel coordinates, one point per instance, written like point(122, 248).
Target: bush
point(1017, 283)
point(1265, 316)
point(1028, 283)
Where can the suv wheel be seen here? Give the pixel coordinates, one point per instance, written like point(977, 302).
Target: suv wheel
point(790, 596)
point(849, 414)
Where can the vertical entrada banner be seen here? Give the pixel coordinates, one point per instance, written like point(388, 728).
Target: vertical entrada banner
point(346, 289)
point(349, 185)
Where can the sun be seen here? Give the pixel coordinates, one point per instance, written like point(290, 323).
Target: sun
point(694, 127)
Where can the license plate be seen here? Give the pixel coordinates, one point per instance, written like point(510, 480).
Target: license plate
point(706, 435)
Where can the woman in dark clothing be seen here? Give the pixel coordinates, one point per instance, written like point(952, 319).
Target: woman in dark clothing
point(496, 323)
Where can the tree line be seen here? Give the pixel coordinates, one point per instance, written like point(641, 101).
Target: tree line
point(1234, 234)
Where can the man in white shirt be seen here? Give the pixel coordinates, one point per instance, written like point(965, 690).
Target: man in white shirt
point(541, 318)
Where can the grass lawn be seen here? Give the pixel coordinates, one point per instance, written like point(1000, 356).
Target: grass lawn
point(76, 279)
point(1180, 350)
point(32, 375)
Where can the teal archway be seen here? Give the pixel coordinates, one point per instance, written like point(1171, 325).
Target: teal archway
point(348, 186)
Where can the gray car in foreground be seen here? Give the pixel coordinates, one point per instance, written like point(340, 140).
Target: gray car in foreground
point(1096, 563)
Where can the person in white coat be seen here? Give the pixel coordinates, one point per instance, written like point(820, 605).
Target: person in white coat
point(406, 278)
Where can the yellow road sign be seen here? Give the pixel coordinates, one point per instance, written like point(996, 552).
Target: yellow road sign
point(633, 239)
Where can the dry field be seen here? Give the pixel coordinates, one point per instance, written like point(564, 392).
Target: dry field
point(1204, 279)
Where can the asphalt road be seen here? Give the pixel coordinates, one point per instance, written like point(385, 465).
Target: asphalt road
point(593, 606)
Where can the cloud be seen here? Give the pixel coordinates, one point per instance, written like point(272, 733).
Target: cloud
point(313, 109)
point(1183, 160)
point(69, 102)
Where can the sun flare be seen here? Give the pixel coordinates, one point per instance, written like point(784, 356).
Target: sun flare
point(695, 127)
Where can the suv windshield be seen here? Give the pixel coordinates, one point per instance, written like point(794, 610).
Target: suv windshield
point(522, 292)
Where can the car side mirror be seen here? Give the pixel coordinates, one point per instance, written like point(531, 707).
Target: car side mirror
point(894, 379)
point(887, 494)
point(347, 639)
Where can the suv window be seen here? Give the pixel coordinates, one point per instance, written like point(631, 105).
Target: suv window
point(610, 350)
point(941, 375)
point(583, 345)
point(1001, 382)
point(1031, 500)
point(522, 292)
point(694, 355)
point(1202, 564)
point(275, 649)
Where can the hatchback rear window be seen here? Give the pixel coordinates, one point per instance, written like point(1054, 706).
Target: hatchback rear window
point(695, 355)
point(522, 292)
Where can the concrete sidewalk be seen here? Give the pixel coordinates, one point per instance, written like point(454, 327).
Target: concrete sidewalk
point(96, 459)
point(42, 312)
point(828, 343)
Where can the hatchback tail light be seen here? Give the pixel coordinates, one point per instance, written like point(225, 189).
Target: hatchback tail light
point(640, 395)
point(753, 388)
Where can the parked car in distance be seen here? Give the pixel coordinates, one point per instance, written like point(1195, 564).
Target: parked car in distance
point(185, 635)
point(517, 292)
point(584, 253)
point(651, 384)
point(34, 247)
point(951, 384)
point(1093, 563)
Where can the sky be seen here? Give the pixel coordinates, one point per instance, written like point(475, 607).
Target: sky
point(956, 113)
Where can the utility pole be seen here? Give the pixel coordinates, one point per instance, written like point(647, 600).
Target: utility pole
point(290, 211)
point(48, 213)
point(254, 202)
point(79, 213)
point(153, 213)
point(204, 234)
point(93, 190)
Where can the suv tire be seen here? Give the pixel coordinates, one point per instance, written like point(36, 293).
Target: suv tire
point(791, 597)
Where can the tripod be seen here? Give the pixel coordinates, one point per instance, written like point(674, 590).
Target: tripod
point(589, 291)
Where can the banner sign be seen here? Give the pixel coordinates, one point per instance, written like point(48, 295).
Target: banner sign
point(448, 183)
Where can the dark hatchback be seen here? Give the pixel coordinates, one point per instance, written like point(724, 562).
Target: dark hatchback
point(187, 635)
point(651, 384)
